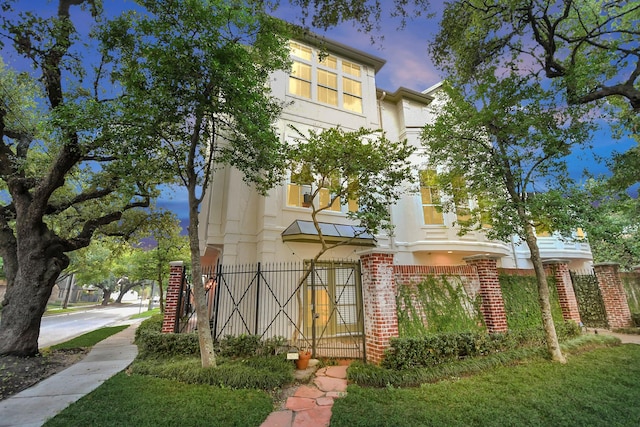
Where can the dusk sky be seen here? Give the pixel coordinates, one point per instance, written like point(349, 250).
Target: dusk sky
point(407, 65)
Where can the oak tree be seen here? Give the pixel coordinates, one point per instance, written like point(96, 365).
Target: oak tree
point(66, 169)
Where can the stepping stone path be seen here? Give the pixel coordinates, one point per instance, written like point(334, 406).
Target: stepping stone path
point(310, 405)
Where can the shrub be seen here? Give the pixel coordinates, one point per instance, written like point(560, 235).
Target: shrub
point(436, 349)
point(266, 373)
point(241, 346)
point(379, 376)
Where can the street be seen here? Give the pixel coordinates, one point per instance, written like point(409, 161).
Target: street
point(55, 329)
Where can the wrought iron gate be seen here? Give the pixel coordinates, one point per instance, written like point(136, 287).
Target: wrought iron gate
point(589, 298)
point(312, 305)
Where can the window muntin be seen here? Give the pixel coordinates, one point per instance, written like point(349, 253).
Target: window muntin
point(300, 79)
point(327, 87)
point(352, 97)
point(300, 51)
point(461, 199)
point(329, 61)
point(430, 195)
point(351, 68)
point(322, 77)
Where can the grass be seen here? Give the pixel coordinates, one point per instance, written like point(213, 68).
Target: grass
point(598, 387)
point(146, 401)
point(90, 338)
point(145, 314)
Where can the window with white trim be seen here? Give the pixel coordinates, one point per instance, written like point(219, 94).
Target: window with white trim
point(325, 78)
point(430, 195)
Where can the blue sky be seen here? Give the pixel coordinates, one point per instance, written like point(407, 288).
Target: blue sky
point(407, 65)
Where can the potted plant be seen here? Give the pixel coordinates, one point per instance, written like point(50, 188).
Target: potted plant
point(303, 359)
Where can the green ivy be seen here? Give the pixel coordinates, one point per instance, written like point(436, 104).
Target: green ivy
point(520, 295)
point(589, 297)
point(435, 305)
point(631, 283)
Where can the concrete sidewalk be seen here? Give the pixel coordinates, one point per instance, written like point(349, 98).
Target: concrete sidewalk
point(35, 405)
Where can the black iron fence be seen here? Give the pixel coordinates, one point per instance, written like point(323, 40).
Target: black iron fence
point(317, 306)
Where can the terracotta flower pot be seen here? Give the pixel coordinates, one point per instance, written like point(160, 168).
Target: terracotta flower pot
point(303, 360)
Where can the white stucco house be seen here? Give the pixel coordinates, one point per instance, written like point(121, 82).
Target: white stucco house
point(332, 84)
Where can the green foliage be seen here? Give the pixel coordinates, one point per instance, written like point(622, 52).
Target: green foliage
point(380, 376)
point(611, 220)
point(437, 349)
point(437, 304)
point(90, 338)
point(144, 401)
point(589, 298)
point(631, 283)
point(265, 373)
point(241, 346)
point(332, 159)
point(520, 295)
point(152, 342)
point(582, 48)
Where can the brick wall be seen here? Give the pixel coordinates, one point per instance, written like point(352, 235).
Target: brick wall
point(613, 295)
point(176, 270)
point(379, 301)
point(495, 316)
point(568, 303)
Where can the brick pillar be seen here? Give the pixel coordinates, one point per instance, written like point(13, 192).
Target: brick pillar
point(176, 269)
point(615, 299)
point(379, 303)
point(566, 295)
point(495, 316)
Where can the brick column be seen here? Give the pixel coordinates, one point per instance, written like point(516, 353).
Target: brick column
point(568, 303)
point(176, 269)
point(379, 303)
point(615, 299)
point(495, 316)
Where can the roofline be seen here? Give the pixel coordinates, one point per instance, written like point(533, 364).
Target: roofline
point(404, 93)
point(333, 46)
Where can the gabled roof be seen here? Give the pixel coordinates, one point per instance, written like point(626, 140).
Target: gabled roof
point(305, 231)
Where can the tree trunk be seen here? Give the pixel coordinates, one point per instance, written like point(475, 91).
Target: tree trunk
point(106, 296)
point(207, 354)
point(26, 298)
point(553, 346)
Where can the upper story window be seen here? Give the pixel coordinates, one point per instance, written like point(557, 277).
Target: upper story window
point(430, 194)
point(300, 191)
point(325, 78)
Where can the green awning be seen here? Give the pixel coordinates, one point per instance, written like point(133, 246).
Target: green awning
point(305, 231)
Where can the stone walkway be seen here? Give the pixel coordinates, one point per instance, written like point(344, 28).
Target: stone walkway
point(310, 405)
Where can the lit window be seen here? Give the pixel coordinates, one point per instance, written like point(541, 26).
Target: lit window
point(485, 216)
point(299, 185)
point(300, 51)
point(325, 78)
point(543, 230)
point(461, 200)
point(300, 79)
point(329, 62)
point(351, 68)
point(327, 87)
point(431, 205)
point(352, 97)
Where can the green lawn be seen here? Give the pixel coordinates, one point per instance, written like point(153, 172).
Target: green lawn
point(596, 388)
point(142, 401)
